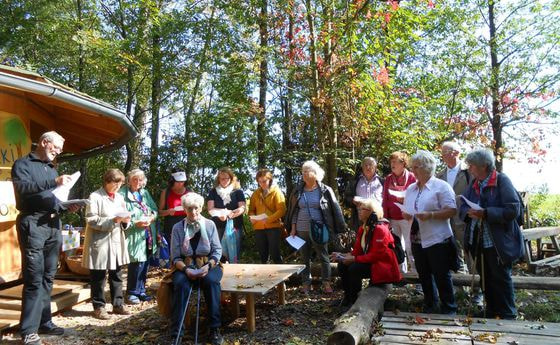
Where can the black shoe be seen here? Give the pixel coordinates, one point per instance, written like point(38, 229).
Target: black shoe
point(51, 329)
point(215, 338)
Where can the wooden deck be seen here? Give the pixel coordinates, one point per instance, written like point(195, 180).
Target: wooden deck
point(64, 295)
point(412, 328)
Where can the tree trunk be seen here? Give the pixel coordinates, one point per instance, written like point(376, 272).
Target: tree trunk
point(354, 326)
point(315, 108)
point(330, 127)
point(200, 69)
point(287, 145)
point(261, 117)
point(156, 100)
point(496, 120)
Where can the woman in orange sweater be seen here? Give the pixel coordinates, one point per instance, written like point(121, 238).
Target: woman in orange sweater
point(266, 209)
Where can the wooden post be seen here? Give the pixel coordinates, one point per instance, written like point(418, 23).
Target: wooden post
point(281, 289)
point(353, 327)
point(250, 312)
point(234, 305)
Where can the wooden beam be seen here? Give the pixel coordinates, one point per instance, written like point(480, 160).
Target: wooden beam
point(250, 310)
point(536, 233)
point(519, 282)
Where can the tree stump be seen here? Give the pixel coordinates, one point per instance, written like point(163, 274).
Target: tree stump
point(353, 327)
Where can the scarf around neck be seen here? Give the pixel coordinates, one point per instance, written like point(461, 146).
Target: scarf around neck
point(191, 228)
point(225, 193)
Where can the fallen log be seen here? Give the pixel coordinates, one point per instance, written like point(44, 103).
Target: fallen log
point(353, 327)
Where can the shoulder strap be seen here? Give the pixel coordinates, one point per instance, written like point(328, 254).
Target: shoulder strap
point(306, 204)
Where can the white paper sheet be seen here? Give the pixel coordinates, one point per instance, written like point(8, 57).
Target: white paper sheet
point(200, 271)
point(359, 199)
point(79, 202)
point(296, 242)
point(397, 193)
point(178, 208)
point(403, 209)
point(261, 216)
point(340, 257)
point(62, 192)
point(471, 204)
point(122, 214)
point(217, 212)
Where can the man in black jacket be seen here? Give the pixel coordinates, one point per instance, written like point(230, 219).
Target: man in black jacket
point(38, 226)
point(367, 185)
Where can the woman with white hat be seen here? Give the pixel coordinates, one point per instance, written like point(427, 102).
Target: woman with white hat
point(170, 202)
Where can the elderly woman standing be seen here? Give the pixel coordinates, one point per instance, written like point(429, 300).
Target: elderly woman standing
point(492, 235)
point(105, 243)
point(432, 202)
point(141, 236)
point(269, 200)
point(397, 182)
point(195, 245)
point(228, 196)
point(371, 256)
point(313, 200)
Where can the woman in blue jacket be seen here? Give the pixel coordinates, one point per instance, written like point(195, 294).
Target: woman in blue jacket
point(492, 236)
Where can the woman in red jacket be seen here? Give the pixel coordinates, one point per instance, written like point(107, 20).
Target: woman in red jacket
point(371, 256)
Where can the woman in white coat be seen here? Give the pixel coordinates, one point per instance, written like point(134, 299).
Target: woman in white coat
point(105, 247)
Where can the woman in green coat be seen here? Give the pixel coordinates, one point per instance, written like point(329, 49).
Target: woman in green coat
point(142, 236)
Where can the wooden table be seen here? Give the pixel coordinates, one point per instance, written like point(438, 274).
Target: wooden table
point(252, 280)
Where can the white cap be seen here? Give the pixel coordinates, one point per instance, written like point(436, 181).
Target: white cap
point(179, 176)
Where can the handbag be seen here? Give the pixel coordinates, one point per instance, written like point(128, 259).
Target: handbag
point(229, 242)
point(318, 231)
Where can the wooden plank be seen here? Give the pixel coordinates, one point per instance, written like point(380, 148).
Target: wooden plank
point(10, 314)
point(10, 304)
point(281, 289)
point(536, 233)
point(415, 337)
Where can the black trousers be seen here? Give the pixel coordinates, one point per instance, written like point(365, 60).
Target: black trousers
point(98, 279)
point(351, 277)
point(268, 243)
point(39, 241)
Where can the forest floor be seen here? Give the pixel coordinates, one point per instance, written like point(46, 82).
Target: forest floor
point(302, 320)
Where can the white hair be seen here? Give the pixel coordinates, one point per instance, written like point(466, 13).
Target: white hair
point(136, 172)
point(315, 168)
point(451, 145)
point(192, 199)
point(369, 161)
point(425, 161)
point(51, 137)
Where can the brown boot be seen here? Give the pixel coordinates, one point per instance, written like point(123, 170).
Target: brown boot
point(101, 314)
point(121, 310)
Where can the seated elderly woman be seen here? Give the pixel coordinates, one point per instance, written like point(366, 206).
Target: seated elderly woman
point(431, 202)
point(492, 234)
point(195, 254)
point(371, 256)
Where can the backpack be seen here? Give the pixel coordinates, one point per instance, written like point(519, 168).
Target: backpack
point(520, 217)
point(397, 248)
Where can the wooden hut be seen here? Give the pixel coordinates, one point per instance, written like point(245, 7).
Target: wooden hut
point(31, 104)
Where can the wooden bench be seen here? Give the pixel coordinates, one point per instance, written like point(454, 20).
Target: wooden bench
point(537, 260)
point(251, 280)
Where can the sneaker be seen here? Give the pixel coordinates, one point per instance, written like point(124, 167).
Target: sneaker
point(31, 339)
point(51, 329)
point(101, 314)
point(144, 297)
point(133, 299)
point(215, 338)
point(120, 310)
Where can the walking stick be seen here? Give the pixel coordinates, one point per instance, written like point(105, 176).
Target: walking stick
point(176, 342)
point(197, 316)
